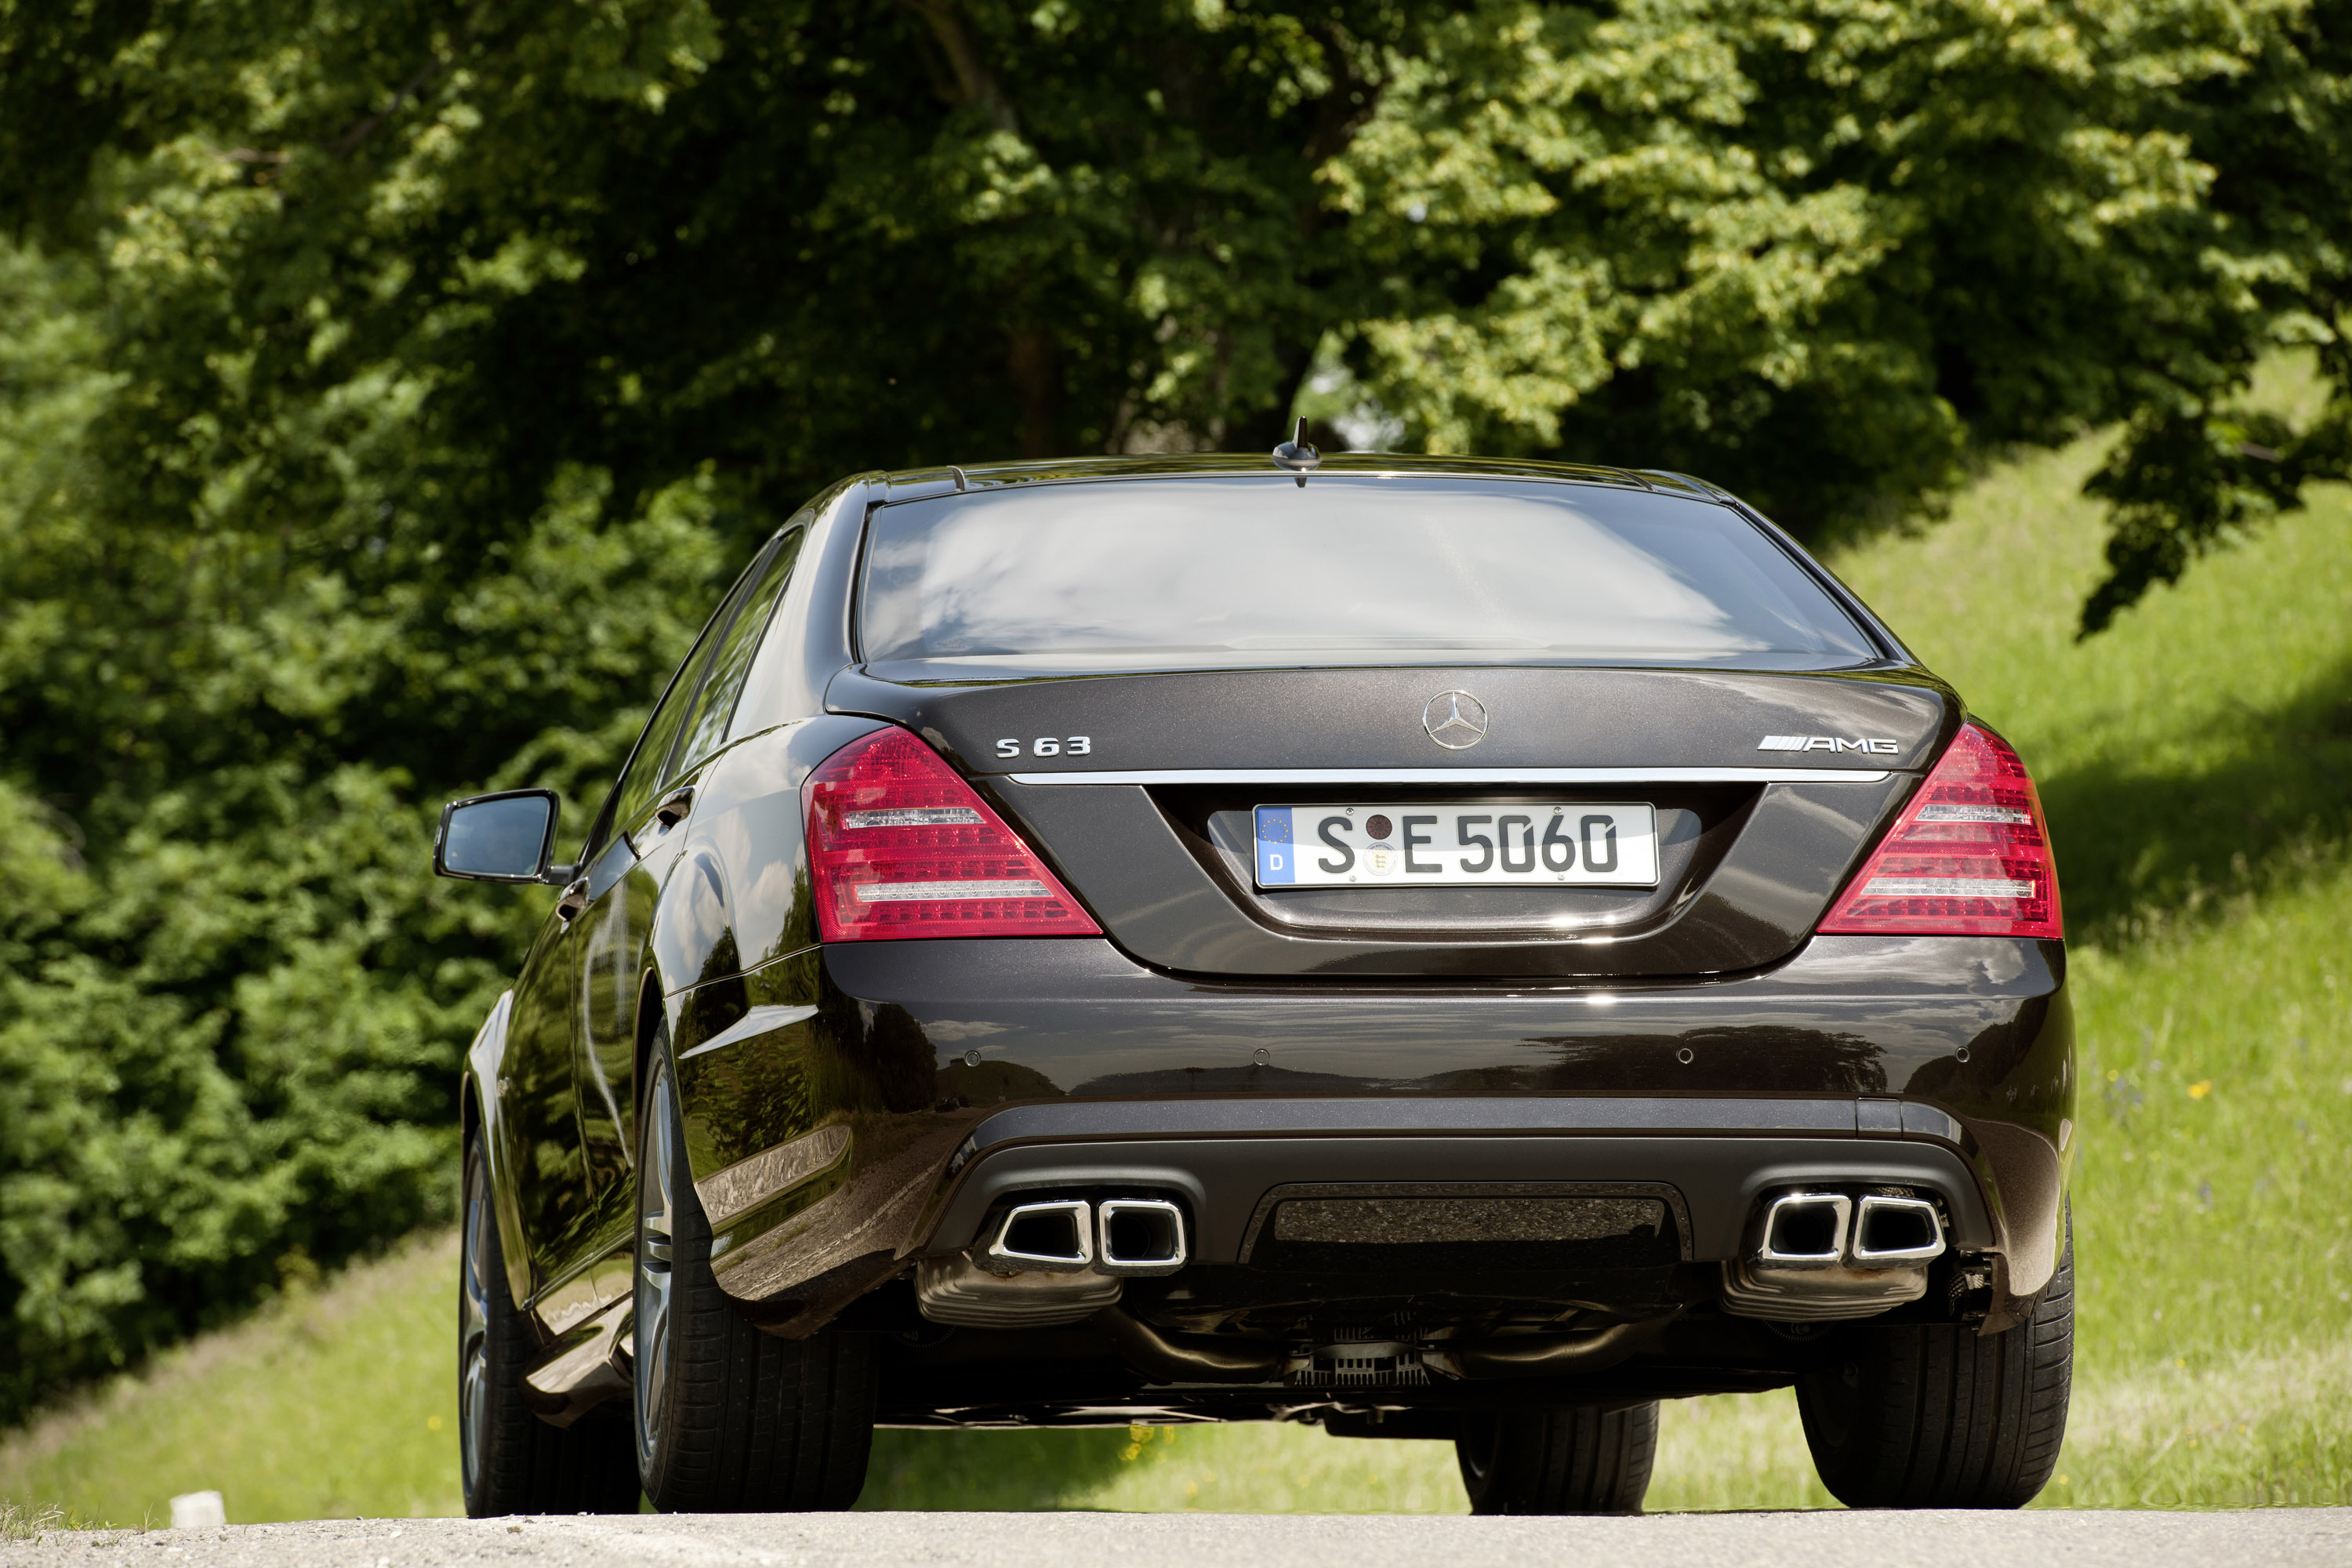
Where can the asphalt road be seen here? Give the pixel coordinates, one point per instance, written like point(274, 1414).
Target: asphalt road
point(2253, 1538)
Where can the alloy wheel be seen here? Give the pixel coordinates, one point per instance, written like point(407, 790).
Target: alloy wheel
point(650, 1332)
point(474, 1330)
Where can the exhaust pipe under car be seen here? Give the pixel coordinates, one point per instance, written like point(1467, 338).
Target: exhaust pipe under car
point(1822, 1255)
point(1052, 1261)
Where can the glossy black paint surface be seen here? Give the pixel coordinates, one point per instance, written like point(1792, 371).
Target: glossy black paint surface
point(1372, 717)
point(924, 1047)
point(557, 1096)
point(1167, 895)
point(846, 1107)
point(1158, 865)
point(537, 1105)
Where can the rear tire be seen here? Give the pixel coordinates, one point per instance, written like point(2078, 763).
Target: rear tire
point(729, 1420)
point(509, 1460)
point(1937, 1415)
point(1559, 1461)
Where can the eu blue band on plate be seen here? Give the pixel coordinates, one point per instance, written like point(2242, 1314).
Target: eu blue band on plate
point(1275, 861)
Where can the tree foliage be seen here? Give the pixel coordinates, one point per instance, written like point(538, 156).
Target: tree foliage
point(384, 390)
point(1820, 251)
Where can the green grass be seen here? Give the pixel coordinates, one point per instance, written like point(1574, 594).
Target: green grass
point(329, 1403)
point(2197, 763)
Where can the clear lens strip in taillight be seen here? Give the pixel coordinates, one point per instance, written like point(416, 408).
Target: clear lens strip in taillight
point(900, 846)
point(1969, 856)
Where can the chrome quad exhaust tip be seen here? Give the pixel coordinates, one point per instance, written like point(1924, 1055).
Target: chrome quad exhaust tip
point(1805, 1230)
point(1823, 1255)
point(1141, 1235)
point(1890, 1232)
point(1051, 1261)
point(1057, 1237)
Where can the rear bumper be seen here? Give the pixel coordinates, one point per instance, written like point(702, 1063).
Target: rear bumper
point(1231, 1161)
point(964, 1070)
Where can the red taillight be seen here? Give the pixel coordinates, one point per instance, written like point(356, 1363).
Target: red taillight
point(1969, 856)
point(900, 847)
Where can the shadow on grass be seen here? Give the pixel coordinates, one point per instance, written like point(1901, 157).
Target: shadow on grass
point(2135, 846)
point(998, 1471)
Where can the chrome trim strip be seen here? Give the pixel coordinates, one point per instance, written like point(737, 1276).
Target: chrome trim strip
point(1459, 776)
point(758, 1177)
point(764, 1020)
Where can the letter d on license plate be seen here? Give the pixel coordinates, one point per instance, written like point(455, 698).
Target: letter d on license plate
point(1489, 845)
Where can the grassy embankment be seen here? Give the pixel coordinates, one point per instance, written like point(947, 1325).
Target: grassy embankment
point(2197, 762)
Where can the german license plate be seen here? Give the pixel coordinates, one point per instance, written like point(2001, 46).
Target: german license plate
point(1524, 845)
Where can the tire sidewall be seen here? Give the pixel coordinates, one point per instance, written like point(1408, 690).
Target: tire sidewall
point(1876, 1400)
point(473, 1462)
point(1480, 1450)
point(483, 1256)
point(655, 1458)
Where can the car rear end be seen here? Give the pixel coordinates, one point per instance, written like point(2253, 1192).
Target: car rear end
point(1423, 941)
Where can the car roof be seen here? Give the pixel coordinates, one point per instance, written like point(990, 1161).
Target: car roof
point(908, 484)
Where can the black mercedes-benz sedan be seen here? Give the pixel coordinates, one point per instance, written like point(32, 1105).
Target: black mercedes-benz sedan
point(1421, 948)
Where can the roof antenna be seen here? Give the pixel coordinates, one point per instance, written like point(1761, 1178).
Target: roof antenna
point(959, 474)
point(1296, 455)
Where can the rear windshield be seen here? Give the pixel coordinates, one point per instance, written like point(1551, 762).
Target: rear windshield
point(1236, 572)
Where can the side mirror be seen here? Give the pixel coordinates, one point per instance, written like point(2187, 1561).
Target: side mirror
point(503, 837)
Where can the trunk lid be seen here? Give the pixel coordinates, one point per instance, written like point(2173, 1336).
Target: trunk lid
point(1767, 788)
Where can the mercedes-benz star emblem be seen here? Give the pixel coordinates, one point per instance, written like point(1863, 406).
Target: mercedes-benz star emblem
point(1455, 720)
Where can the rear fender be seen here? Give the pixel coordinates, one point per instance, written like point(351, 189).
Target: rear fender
point(738, 896)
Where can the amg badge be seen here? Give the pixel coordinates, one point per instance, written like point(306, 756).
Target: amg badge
point(1883, 748)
